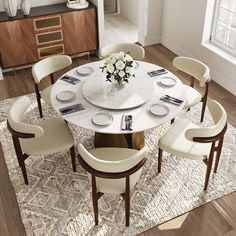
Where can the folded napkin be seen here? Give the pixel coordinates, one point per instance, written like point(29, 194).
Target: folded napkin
point(157, 72)
point(70, 79)
point(126, 123)
point(172, 100)
point(71, 109)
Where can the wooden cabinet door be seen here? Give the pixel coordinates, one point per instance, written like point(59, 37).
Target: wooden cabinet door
point(80, 31)
point(18, 44)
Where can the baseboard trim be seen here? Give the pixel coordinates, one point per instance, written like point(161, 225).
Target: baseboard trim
point(149, 40)
point(216, 76)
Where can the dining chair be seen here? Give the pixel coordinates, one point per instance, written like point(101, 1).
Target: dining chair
point(187, 140)
point(112, 170)
point(42, 69)
point(135, 51)
point(50, 136)
point(199, 71)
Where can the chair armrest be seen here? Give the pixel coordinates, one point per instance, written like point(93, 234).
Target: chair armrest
point(109, 175)
point(204, 135)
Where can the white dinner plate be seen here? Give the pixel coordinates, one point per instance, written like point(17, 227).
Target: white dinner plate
point(85, 71)
point(167, 81)
point(102, 119)
point(159, 109)
point(66, 96)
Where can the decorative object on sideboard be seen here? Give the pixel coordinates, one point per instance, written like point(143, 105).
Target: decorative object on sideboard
point(77, 4)
point(10, 7)
point(25, 7)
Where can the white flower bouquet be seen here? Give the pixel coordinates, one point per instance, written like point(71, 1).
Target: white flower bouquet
point(118, 67)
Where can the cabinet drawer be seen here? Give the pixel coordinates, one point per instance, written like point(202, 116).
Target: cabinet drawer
point(49, 37)
point(47, 22)
point(51, 50)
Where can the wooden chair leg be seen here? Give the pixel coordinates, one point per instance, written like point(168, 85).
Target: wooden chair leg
point(95, 199)
point(39, 106)
point(218, 154)
point(209, 165)
point(38, 97)
point(21, 158)
point(23, 169)
point(127, 201)
point(160, 152)
point(73, 160)
point(203, 110)
point(204, 101)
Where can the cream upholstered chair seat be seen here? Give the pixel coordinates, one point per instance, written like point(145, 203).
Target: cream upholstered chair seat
point(193, 97)
point(46, 93)
point(50, 136)
point(187, 140)
point(135, 51)
point(56, 138)
point(112, 170)
point(175, 142)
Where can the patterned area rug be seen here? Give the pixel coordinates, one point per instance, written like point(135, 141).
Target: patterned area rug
point(58, 201)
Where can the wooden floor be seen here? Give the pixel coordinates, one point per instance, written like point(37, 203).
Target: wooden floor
point(215, 218)
point(119, 30)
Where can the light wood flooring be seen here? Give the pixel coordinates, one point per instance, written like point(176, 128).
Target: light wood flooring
point(119, 30)
point(215, 218)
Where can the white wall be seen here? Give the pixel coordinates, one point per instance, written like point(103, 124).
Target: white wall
point(100, 18)
point(129, 9)
point(150, 18)
point(182, 29)
point(35, 3)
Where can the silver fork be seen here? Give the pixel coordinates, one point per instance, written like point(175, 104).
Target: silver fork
point(128, 120)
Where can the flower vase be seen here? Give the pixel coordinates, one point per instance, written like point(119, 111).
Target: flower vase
point(116, 85)
point(25, 7)
point(10, 7)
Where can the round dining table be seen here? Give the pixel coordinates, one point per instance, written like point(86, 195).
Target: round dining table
point(136, 98)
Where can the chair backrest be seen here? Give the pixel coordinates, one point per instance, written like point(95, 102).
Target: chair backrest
point(219, 117)
point(49, 65)
point(193, 67)
point(112, 166)
point(136, 51)
point(15, 117)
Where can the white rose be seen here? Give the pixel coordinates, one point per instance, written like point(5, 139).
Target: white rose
point(110, 68)
point(120, 55)
point(122, 73)
point(116, 71)
point(113, 60)
point(120, 65)
point(128, 57)
point(108, 60)
point(129, 70)
point(114, 55)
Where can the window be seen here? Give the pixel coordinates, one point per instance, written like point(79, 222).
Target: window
point(224, 25)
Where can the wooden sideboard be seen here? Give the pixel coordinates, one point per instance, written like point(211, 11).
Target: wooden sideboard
point(48, 30)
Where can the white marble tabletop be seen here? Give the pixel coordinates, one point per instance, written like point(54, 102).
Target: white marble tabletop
point(143, 119)
point(109, 95)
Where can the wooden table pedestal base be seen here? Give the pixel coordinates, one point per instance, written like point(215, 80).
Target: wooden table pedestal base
point(134, 140)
